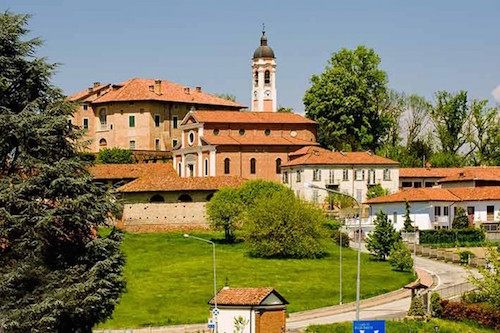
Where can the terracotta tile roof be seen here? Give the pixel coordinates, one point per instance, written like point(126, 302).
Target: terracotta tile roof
point(248, 117)
point(476, 173)
point(441, 194)
point(234, 140)
point(319, 156)
point(131, 171)
point(244, 296)
point(427, 172)
point(138, 89)
point(85, 93)
point(155, 183)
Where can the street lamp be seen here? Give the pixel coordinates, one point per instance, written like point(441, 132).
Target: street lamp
point(215, 277)
point(358, 279)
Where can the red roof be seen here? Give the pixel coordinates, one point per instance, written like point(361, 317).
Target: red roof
point(155, 183)
point(475, 173)
point(441, 194)
point(86, 93)
point(313, 155)
point(269, 140)
point(248, 117)
point(131, 171)
point(244, 296)
point(138, 89)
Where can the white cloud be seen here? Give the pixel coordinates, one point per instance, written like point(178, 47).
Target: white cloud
point(496, 94)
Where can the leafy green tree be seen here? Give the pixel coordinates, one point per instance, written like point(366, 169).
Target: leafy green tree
point(224, 212)
point(253, 190)
point(461, 220)
point(284, 226)
point(114, 155)
point(400, 258)
point(443, 159)
point(383, 238)
point(488, 284)
point(376, 191)
point(407, 219)
point(56, 273)
point(484, 133)
point(347, 100)
point(450, 115)
point(284, 109)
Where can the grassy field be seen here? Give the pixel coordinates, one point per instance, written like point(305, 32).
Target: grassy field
point(170, 278)
point(445, 326)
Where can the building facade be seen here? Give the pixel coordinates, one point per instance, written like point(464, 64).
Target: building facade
point(352, 173)
point(252, 145)
point(139, 114)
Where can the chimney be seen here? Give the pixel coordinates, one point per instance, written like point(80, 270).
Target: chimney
point(97, 84)
point(151, 88)
point(198, 89)
point(157, 87)
point(186, 90)
point(90, 90)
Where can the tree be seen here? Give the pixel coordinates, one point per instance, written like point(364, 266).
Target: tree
point(461, 220)
point(407, 220)
point(376, 191)
point(114, 155)
point(416, 307)
point(450, 115)
point(253, 190)
point(284, 226)
point(417, 116)
point(484, 133)
point(229, 97)
point(489, 283)
point(224, 212)
point(347, 100)
point(283, 109)
point(381, 241)
point(57, 274)
point(400, 258)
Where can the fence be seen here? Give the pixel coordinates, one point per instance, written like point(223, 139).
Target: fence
point(455, 290)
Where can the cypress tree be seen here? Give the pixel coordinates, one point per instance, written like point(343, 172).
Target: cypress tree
point(56, 273)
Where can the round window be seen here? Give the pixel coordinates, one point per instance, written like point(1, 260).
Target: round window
point(216, 131)
point(293, 134)
point(267, 132)
point(191, 138)
point(242, 131)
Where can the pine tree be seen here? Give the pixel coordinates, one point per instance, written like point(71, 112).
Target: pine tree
point(383, 238)
point(56, 273)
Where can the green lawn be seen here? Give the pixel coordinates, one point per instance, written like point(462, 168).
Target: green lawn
point(445, 326)
point(170, 278)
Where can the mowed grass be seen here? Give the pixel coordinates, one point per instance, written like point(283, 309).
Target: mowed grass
point(170, 278)
point(445, 326)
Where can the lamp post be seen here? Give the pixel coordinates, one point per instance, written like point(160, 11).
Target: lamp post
point(358, 279)
point(215, 277)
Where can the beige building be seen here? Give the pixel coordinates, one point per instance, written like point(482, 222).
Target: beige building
point(350, 172)
point(140, 114)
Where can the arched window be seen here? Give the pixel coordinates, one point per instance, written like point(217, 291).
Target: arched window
point(226, 166)
point(267, 77)
point(185, 198)
point(157, 198)
point(103, 118)
point(278, 165)
point(256, 78)
point(252, 166)
point(103, 143)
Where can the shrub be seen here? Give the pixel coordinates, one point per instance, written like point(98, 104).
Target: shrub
point(453, 236)
point(417, 307)
point(255, 189)
point(114, 156)
point(400, 258)
point(461, 220)
point(284, 226)
point(489, 285)
point(436, 307)
point(376, 191)
point(482, 314)
point(473, 297)
point(465, 255)
point(337, 239)
point(381, 241)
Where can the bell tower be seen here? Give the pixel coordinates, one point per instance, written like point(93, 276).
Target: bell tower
point(264, 77)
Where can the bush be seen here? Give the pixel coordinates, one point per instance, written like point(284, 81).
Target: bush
point(284, 226)
point(461, 220)
point(114, 156)
point(400, 258)
point(472, 297)
point(482, 314)
point(453, 236)
point(436, 307)
point(337, 239)
point(255, 189)
point(417, 307)
point(376, 191)
point(465, 255)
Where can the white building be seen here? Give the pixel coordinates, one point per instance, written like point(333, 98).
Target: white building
point(434, 208)
point(350, 172)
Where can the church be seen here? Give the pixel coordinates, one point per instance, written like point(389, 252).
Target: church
point(249, 144)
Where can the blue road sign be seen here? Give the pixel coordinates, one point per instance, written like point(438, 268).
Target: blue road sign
point(368, 326)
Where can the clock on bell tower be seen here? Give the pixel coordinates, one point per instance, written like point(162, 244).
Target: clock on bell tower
point(264, 78)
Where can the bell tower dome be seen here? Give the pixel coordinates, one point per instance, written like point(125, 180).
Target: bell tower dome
point(263, 76)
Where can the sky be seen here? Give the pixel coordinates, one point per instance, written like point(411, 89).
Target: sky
point(425, 46)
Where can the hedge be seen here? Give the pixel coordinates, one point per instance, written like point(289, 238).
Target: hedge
point(482, 314)
point(452, 236)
